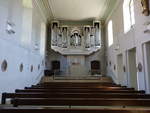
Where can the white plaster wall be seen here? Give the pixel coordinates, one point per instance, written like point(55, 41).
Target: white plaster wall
point(134, 38)
point(65, 61)
point(53, 56)
point(79, 69)
point(15, 52)
point(99, 56)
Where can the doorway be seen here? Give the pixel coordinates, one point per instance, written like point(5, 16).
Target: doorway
point(146, 54)
point(120, 72)
point(132, 68)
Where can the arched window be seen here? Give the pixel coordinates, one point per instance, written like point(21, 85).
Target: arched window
point(42, 40)
point(128, 15)
point(110, 33)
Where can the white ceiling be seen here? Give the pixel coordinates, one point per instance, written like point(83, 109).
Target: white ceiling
point(78, 9)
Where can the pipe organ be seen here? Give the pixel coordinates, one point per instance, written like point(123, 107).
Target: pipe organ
point(75, 39)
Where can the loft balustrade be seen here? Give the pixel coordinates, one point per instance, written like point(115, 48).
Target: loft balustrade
point(76, 40)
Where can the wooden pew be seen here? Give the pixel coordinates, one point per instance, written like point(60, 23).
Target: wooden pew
point(77, 91)
point(78, 84)
point(115, 110)
point(80, 102)
point(82, 88)
point(72, 95)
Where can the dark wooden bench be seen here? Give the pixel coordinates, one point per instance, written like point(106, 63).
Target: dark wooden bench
point(72, 95)
point(80, 102)
point(120, 110)
point(77, 85)
point(78, 91)
point(82, 88)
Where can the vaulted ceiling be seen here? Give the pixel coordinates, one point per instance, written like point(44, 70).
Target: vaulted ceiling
point(77, 9)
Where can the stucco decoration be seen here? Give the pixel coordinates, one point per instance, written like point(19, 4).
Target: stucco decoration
point(21, 67)
point(140, 67)
point(31, 69)
point(106, 63)
point(39, 67)
point(145, 7)
point(114, 67)
point(110, 63)
point(4, 66)
point(124, 68)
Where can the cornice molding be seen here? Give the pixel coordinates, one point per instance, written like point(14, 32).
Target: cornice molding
point(105, 6)
point(44, 8)
point(37, 5)
point(50, 2)
point(48, 9)
point(113, 10)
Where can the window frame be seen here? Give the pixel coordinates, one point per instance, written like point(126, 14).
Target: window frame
point(110, 33)
point(128, 10)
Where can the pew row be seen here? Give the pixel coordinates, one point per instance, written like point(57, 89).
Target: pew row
point(81, 88)
point(40, 110)
point(77, 85)
point(77, 91)
point(80, 102)
point(72, 95)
